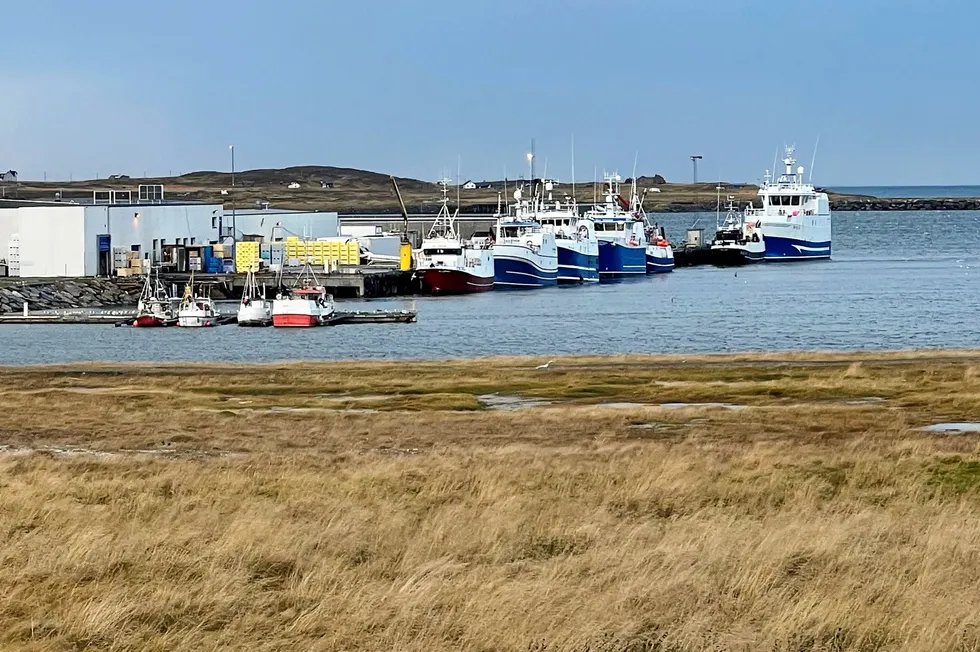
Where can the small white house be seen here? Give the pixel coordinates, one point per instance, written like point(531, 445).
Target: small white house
point(469, 185)
point(9, 176)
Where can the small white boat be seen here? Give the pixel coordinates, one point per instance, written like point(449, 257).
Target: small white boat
point(254, 309)
point(304, 306)
point(196, 309)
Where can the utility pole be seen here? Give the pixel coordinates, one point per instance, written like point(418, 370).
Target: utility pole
point(694, 160)
point(233, 215)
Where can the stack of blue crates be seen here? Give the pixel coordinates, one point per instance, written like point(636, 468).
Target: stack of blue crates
point(212, 265)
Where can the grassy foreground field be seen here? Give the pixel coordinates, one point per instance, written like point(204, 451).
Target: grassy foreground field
point(385, 506)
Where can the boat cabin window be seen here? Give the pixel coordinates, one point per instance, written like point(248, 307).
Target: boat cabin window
point(610, 226)
point(443, 252)
point(785, 200)
point(510, 232)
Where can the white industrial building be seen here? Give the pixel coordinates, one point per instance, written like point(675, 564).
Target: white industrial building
point(79, 240)
point(274, 225)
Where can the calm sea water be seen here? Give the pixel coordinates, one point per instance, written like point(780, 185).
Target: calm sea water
point(897, 280)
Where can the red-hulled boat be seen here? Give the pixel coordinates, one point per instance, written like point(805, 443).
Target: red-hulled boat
point(448, 264)
point(304, 306)
point(155, 307)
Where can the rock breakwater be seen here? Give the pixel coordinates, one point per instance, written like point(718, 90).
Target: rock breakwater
point(48, 294)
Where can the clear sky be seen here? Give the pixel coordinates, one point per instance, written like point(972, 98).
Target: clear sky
point(406, 86)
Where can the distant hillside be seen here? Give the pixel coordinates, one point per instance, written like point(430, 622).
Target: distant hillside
point(347, 190)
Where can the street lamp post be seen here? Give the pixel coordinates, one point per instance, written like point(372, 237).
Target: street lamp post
point(233, 216)
point(694, 160)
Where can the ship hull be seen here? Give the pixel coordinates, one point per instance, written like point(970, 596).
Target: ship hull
point(520, 268)
point(576, 267)
point(735, 257)
point(780, 249)
point(293, 320)
point(660, 260)
point(149, 321)
point(454, 281)
point(618, 260)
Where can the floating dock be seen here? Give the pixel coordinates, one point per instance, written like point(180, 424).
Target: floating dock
point(126, 317)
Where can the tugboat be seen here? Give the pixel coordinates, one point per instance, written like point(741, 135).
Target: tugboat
point(737, 242)
point(304, 306)
point(578, 247)
point(525, 255)
point(447, 264)
point(254, 309)
point(794, 219)
point(155, 307)
point(196, 310)
point(622, 242)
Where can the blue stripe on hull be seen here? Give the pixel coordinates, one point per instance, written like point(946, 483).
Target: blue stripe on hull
point(659, 265)
point(521, 274)
point(577, 267)
point(617, 259)
point(792, 249)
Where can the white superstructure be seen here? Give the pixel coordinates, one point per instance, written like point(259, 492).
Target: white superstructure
point(578, 247)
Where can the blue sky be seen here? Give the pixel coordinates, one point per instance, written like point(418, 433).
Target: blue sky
point(405, 87)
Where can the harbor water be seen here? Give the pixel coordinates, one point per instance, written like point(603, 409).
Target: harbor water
point(897, 280)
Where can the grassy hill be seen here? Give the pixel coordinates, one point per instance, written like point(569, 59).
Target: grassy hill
point(348, 190)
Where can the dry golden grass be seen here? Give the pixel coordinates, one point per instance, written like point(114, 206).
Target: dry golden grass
point(381, 506)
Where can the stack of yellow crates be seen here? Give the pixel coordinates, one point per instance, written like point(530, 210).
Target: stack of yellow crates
point(246, 257)
point(344, 251)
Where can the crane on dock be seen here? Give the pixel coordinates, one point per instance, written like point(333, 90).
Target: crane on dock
point(406, 247)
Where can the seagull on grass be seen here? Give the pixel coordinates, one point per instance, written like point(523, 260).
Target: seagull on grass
point(545, 365)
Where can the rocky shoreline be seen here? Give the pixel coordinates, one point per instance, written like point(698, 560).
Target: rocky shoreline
point(49, 294)
point(846, 204)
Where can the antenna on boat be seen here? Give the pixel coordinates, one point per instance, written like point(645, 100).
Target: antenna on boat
point(459, 179)
point(718, 204)
point(633, 196)
point(573, 167)
point(775, 159)
point(505, 180)
point(595, 180)
point(813, 161)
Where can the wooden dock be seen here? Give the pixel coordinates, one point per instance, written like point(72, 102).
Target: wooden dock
point(355, 282)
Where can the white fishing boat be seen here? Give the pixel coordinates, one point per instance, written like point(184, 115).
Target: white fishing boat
point(575, 238)
point(525, 255)
point(254, 309)
point(448, 264)
point(196, 308)
point(305, 305)
point(794, 219)
point(737, 242)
